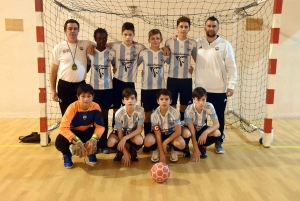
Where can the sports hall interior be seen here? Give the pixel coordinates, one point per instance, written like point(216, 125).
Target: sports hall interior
point(247, 170)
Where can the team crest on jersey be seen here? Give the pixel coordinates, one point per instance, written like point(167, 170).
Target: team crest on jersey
point(100, 69)
point(154, 70)
point(181, 60)
point(81, 48)
point(84, 117)
point(126, 65)
point(217, 48)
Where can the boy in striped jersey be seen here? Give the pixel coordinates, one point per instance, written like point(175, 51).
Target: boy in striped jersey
point(125, 71)
point(166, 129)
point(180, 70)
point(101, 79)
point(195, 117)
point(81, 122)
point(153, 60)
point(127, 138)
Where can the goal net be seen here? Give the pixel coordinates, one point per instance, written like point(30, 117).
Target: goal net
point(245, 23)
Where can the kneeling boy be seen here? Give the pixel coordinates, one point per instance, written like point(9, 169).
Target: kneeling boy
point(81, 122)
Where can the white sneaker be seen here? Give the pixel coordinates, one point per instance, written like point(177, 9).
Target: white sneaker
point(174, 155)
point(155, 156)
point(219, 148)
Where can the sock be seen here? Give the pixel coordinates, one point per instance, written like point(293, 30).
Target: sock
point(147, 128)
point(210, 141)
point(135, 146)
point(187, 141)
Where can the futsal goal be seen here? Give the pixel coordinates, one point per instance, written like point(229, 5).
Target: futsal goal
point(245, 23)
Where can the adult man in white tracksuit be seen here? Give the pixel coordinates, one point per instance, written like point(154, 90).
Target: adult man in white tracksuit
point(215, 71)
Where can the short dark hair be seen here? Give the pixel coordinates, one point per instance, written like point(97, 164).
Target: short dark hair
point(184, 19)
point(100, 30)
point(85, 88)
point(199, 92)
point(128, 26)
point(128, 92)
point(153, 32)
point(212, 18)
point(165, 92)
point(70, 21)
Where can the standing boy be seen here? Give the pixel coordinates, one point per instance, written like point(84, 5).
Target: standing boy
point(82, 122)
point(166, 129)
point(179, 76)
point(126, 64)
point(101, 80)
point(216, 71)
point(153, 60)
point(129, 120)
point(195, 117)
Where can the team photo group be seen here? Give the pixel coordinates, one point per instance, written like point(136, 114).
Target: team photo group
point(156, 125)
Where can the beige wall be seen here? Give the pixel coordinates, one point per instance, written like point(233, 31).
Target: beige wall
point(19, 78)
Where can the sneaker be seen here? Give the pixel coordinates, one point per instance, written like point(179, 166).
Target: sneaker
point(203, 151)
point(133, 156)
point(186, 152)
point(219, 148)
point(174, 155)
point(155, 156)
point(93, 159)
point(68, 161)
point(118, 156)
point(105, 150)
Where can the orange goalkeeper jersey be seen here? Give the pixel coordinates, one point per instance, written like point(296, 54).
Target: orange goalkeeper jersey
point(77, 119)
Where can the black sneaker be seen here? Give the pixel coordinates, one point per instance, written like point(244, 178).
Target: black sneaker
point(202, 151)
point(118, 156)
point(186, 152)
point(133, 156)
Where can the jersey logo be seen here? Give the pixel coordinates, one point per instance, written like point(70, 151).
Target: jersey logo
point(126, 65)
point(154, 70)
point(181, 60)
point(100, 70)
point(84, 117)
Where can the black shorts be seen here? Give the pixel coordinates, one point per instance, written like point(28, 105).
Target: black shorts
point(183, 87)
point(118, 87)
point(198, 133)
point(163, 137)
point(148, 99)
point(104, 98)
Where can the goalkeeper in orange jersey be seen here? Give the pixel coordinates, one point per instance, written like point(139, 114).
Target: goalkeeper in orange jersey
point(82, 123)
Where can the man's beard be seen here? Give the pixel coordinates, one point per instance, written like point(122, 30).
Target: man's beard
point(210, 35)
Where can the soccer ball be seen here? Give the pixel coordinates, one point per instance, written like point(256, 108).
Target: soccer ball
point(160, 172)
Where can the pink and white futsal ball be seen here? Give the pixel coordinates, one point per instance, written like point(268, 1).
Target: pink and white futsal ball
point(160, 172)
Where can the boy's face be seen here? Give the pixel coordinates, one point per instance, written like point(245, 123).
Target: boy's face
point(72, 31)
point(85, 100)
point(211, 28)
point(155, 40)
point(101, 39)
point(183, 28)
point(127, 37)
point(199, 102)
point(129, 101)
point(164, 101)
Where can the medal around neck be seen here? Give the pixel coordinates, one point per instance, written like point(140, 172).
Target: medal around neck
point(74, 67)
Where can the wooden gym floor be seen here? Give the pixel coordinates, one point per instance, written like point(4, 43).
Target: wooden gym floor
point(247, 171)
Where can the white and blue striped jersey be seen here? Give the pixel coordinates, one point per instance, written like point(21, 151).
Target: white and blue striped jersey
point(153, 68)
point(129, 123)
point(101, 76)
point(191, 115)
point(126, 61)
point(180, 60)
point(166, 123)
